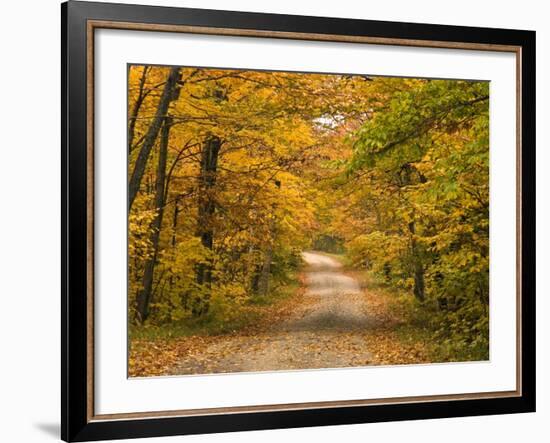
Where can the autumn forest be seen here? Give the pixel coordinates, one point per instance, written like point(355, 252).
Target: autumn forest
point(285, 220)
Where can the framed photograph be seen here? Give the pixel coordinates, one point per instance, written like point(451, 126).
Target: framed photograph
point(277, 221)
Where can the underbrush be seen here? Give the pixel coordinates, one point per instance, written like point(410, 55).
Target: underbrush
point(446, 341)
point(224, 316)
point(448, 336)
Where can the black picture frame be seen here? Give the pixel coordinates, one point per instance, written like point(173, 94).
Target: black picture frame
point(76, 422)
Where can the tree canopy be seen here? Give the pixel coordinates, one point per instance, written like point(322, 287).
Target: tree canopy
point(233, 173)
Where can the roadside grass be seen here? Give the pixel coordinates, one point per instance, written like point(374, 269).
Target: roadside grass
point(423, 322)
point(415, 322)
point(225, 319)
point(281, 291)
point(154, 350)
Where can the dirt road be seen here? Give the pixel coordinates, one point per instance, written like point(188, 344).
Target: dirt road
point(326, 331)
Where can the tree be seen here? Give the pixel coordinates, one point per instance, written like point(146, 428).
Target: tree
point(169, 94)
point(206, 208)
point(144, 297)
point(392, 171)
point(423, 159)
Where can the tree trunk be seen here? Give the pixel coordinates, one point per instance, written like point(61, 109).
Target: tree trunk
point(263, 281)
point(405, 179)
point(144, 296)
point(265, 273)
point(206, 210)
point(175, 219)
point(135, 109)
point(419, 286)
point(174, 230)
point(169, 94)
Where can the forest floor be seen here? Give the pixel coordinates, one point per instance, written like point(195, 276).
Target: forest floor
point(335, 319)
